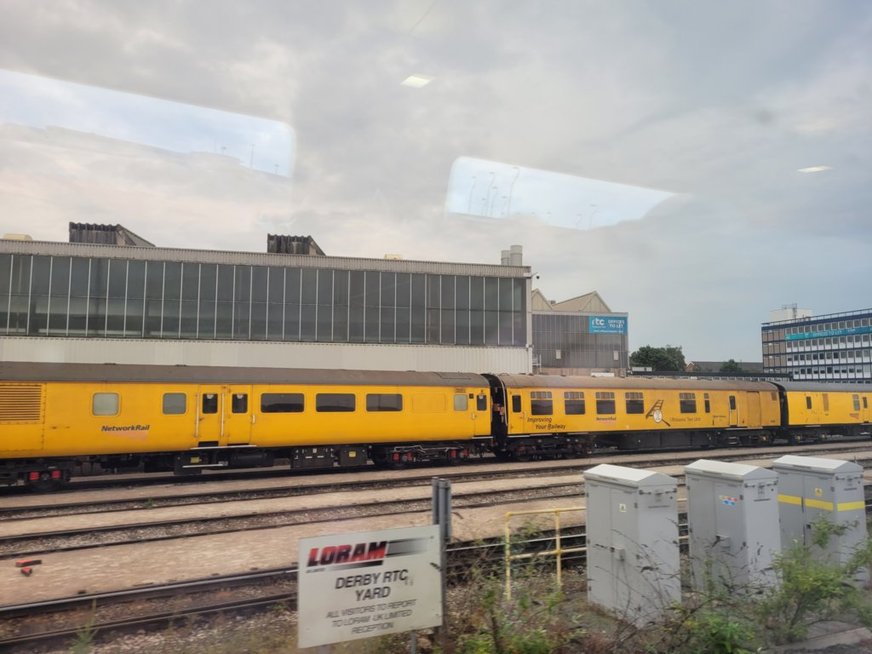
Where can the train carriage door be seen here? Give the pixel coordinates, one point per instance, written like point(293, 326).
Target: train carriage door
point(753, 409)
point(517, 416)
point(811, 407)
point(224, 415)
point(210, 416)
point(734, 412)
point(238, 415)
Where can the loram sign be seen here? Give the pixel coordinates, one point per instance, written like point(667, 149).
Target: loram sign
point(367, 584)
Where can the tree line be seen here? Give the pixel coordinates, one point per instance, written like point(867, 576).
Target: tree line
point(670, 359)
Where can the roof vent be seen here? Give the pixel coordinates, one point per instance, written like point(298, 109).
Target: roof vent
point(105, 235)
point(282, 244)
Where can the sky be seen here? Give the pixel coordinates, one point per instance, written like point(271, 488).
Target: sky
point(648, 151)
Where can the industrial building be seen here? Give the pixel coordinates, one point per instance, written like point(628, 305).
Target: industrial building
point(829, 348)
point(110, 296)
point(579, 336)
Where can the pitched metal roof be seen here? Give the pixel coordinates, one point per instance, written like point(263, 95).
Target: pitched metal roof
point(116, 373)
point(555, 381)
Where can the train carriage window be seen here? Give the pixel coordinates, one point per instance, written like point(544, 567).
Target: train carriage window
point(687, 402)
point(541, 403)
point(239, 403)
point(334, 402)
point(105, 404)
point(210, 403)
point(573, 403)
point(635, 402)
point(605, 403)
point(865, 403)
point(175, 404)
point(856, 399)
point(807, 402)
point(481, 402)
point(516, 404)
point(461, 402)
point(384, 402)
point(281, 403)
point(826, 401)
point(708, 405)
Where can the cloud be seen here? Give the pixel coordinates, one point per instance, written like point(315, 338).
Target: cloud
point(719, 103)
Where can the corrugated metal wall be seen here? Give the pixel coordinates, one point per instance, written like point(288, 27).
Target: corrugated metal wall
point(270, 355)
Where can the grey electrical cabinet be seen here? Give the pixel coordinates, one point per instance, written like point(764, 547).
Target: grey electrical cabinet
point(632, 542)
point(732, 522)
point(811, 489)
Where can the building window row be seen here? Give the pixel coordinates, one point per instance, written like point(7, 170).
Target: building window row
point(851, 356)
point(782, 333)
point(833, 372)
point(119, 298)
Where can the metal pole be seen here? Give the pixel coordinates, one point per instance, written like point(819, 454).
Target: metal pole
point(442, 507)
point(442, 517)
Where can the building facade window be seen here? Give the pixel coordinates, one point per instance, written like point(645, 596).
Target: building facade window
point(565, 341)
point(836, 346)
point(120, 298)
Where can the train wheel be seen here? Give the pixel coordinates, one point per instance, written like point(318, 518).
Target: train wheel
point(522, 455)
point(45, 484)
point(503, 455)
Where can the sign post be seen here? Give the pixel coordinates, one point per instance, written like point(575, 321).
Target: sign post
point(442, 519)
point(354, 586)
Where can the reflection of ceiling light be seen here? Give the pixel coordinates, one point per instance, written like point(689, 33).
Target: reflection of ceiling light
point(417, 81)
point(813, 169)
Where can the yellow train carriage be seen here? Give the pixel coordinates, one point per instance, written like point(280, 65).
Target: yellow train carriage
point(634, 412)
point(191, 418)
point(819, 410)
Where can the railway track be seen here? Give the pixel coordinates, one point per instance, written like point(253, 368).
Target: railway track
point(104, 613)
point(145, 526)
point(97, 614)
point(86, 537)
point(180, 493)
